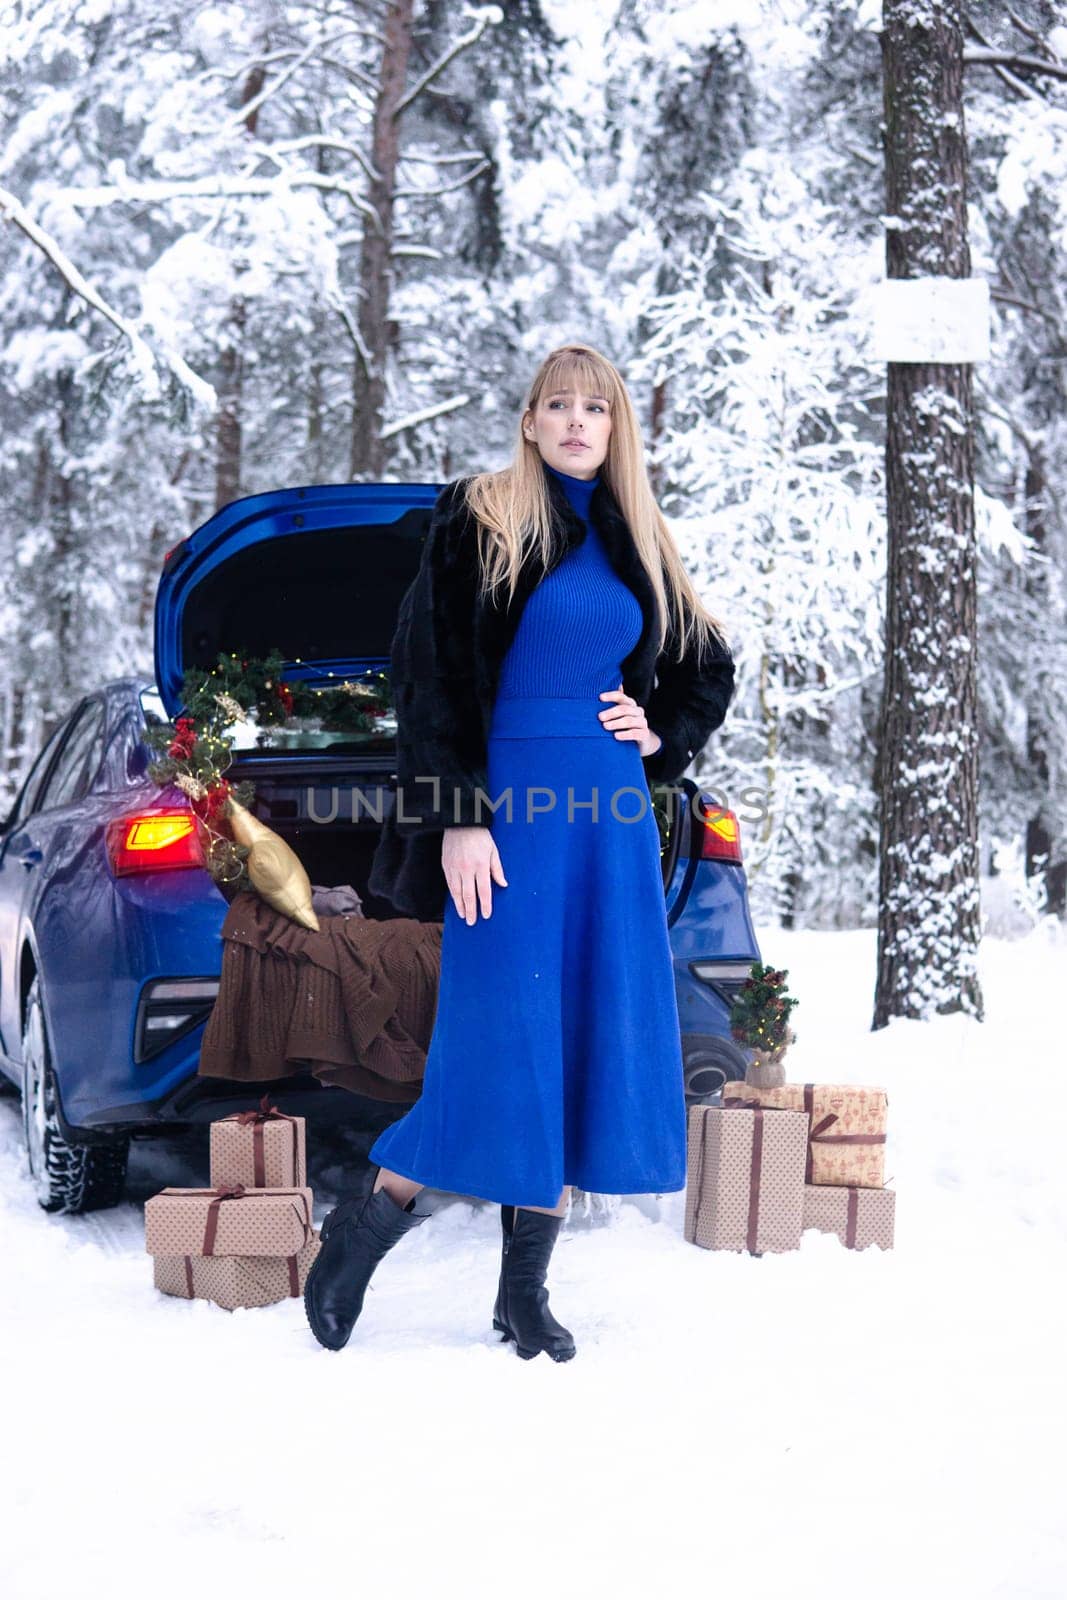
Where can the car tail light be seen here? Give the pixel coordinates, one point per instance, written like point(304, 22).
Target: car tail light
point(153, 841)
point(716, 832)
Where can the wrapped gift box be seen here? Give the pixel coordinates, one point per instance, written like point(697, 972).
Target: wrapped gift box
point(232, 1281)
point(846, 1146)
point(745, 1178)
point(262, 1149)
point(228, 1220)
point(859, 1217)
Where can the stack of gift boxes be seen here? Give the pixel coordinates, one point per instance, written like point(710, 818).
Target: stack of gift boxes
point(768, 1163)
point(248, 1240)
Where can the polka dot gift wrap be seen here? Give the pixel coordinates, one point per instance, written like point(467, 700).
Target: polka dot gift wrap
point(745, 1178)
point(232, 1281)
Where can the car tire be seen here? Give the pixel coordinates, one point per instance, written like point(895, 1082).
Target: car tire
point(67, 1177)
point(708, 1062)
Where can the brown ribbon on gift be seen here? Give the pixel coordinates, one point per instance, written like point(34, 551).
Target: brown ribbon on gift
point(266, 1113)
point(232, 1191)
point(852, 1217)
point(226, 1191)
point(753, 1182)
point(188, 1275)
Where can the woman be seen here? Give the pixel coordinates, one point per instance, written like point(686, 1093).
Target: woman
point(529, 725)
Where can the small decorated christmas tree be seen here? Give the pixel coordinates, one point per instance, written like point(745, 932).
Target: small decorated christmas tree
point(759, 1020)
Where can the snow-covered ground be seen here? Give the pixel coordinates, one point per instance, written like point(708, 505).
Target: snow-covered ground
point(819, 1423)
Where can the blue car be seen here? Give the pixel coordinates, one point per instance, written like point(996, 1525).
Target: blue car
point(109, 922)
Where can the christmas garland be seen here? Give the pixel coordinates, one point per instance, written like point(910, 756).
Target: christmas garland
point(195, 750)
point(245, 687)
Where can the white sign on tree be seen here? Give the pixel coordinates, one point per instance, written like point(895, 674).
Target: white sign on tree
point(931, 319)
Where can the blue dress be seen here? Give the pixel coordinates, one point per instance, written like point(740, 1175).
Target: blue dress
point(555, 1057)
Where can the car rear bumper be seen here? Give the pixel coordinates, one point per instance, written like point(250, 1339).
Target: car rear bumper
point(201, 1100)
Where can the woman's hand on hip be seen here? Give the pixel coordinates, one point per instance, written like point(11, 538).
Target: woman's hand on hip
point(470, 857)
point(626, 720)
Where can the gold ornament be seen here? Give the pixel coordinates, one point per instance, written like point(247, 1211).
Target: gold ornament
point(275, 871)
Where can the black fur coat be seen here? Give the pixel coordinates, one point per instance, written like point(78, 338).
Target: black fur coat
point(446, 655)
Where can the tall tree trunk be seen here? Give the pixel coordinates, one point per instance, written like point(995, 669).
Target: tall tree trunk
point(928, 898)
point(656, 421)
point(376, 332)
point(231, 376)
point(64, 584)
point(318, 369)
point(1039, 841)
point(228, 423)
point(14, 736)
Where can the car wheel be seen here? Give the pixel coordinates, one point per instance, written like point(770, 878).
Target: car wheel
point(67, 1177)
point(708, 1062)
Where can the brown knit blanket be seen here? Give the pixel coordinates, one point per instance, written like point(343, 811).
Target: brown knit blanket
point(354, 1002)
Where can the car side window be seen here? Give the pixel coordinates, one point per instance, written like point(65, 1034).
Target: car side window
point(78, 760)
point(117, 767)
point(27, 800)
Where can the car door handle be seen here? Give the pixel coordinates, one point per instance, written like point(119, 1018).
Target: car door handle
point(32, 857)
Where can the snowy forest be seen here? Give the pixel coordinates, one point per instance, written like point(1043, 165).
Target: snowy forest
point(267, 243)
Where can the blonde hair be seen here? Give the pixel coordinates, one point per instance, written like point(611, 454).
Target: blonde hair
point(513, 510)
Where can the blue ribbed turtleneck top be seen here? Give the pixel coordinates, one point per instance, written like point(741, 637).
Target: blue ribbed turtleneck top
point(579, 490)
point(579, 623)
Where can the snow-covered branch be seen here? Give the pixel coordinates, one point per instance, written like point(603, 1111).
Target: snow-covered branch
point(160, 191)
point(422, 252)
point(486, 17)
point(413, 418)
point(337, 303)
point(1035, 38)
point(262, 60)
point(316, 141)
point(1016, 63)
point(240, 118)
point(146, 359)
point(444, 188)
point(441, 160)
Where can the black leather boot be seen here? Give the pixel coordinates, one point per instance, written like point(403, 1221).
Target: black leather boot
point(354, 1236)
point(521, 1311)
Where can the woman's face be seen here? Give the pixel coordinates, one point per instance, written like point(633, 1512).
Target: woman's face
point(571, 430)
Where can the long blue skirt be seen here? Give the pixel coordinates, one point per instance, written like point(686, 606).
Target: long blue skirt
point(556, 1056)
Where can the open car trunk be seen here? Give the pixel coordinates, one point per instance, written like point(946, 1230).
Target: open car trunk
point(316, 573)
